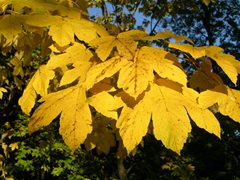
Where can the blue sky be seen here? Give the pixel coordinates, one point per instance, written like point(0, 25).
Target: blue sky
point(138, 16)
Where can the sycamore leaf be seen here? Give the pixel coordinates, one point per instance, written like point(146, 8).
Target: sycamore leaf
point(212, 96)
point(2, 90)
point(62, 33)
point(125, 43)
point(106, 104)
point(37, 6)
point(133, 125)
point(18, 64)
point(168, 34)
point(196, 52)
point(75, 119)
point(47, 7)
point(203, 78)
point(79, 71)
point(103, 70)
point(201, 116)
point(11, 27)
point(101, 137)
point(37, 85)
point(227, 62)
point(135, 76)
point(77, 53)
point(171, 123)
point(85, 30)
point(168, 114)
point(231, 105)
point(163, 67)
point(227, 99)
point(63, 30)
point(79, 57)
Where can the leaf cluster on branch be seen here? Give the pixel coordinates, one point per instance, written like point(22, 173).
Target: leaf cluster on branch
point(108, 87)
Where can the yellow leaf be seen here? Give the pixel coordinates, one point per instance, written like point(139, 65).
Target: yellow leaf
point(168, 34)
point(132, 34)
point(227, 62)
point(62, 33)
point(37, 85)
point(125, 43)
point(133, 125)
point(2, 90)
point(101, 137)
point(210, 97)
point(11, 27)
point(3, 5)
point(13, 146)
point(63, 30)
point(171, 123)
point(85, 30)
point(230, 106)
point(77, 53)
point(204, 78)
point(47, 7)
point(135, 76)
point(75, 119)
point(41, 20)
point(41, 80)
point(16, 61)
point(50, 109)
point(227, 99)
point(103, 70)
point(196, 52)
point(37, 6)
point(201, 116)
point(78, 72)
point(105, 46)
point(163, 67)
point(106, 104)
point(79, 57)
point(168, 114)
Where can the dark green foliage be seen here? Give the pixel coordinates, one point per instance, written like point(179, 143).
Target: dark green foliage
point(44, 155)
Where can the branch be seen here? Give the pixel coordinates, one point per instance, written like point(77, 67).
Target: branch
point(152, 31)
point(207, 23)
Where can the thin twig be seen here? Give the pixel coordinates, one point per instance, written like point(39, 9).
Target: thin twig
point(152, 31)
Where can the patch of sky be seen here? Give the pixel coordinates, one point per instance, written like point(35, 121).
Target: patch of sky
point(139, 17)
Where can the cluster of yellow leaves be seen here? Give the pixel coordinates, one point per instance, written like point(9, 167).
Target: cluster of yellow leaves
point(130, 86)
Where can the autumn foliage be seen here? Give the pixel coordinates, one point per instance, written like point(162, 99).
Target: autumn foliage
point(106, 85)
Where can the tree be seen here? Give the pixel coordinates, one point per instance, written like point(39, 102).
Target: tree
point(110, 87)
